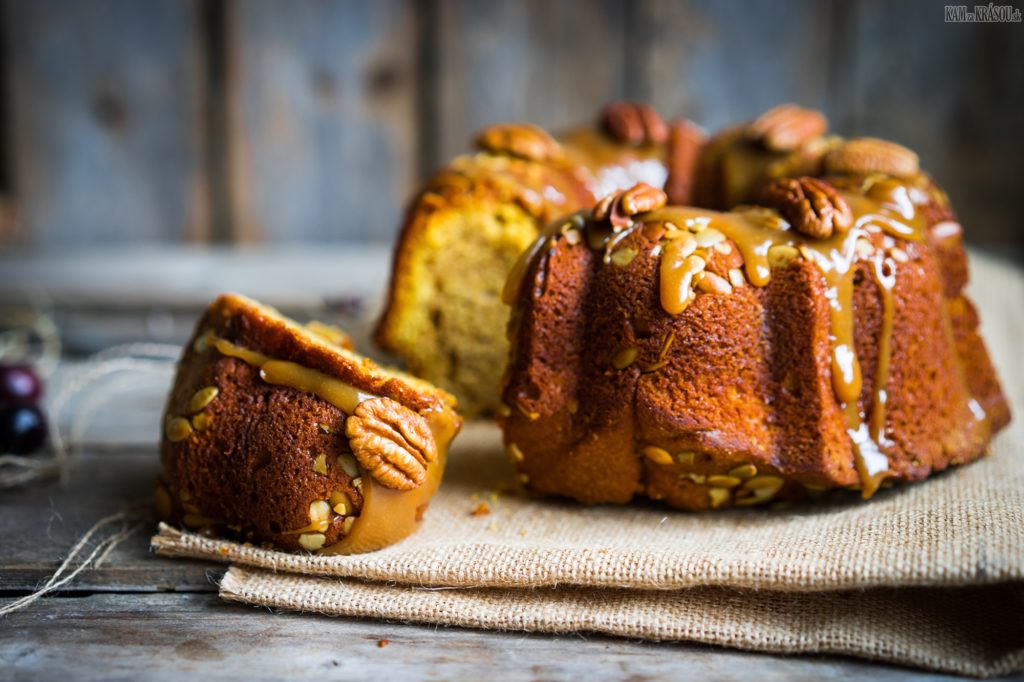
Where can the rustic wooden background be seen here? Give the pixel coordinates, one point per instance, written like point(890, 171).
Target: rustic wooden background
point(133, 122)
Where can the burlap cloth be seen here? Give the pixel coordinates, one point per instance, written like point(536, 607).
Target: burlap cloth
point(928, 575)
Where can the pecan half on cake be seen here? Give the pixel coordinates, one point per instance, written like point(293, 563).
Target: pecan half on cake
point(279, 433)
point(464, 230)
point(713, 359)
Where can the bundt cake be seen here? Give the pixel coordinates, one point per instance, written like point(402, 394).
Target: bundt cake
point(443, 314)
point(279, 433)
point(815, 336)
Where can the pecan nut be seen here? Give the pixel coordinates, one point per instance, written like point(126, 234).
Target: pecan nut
point(787, 127)
point(813, 207)
point(807, 160)
point(391, 442)
point(634, 123)
point(619, 207)
point(684, 143)
point(519, 139)
point(866, 155)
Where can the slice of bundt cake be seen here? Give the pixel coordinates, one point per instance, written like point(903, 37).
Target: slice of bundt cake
point(443, 314)
point(713, 359)
point(279, 433)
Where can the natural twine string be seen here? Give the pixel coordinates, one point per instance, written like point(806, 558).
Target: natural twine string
point(96, 544)
point(140, 358)
point(126, 522)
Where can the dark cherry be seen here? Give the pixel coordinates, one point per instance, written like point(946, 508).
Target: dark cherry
point(19, 384)
point(22, 429)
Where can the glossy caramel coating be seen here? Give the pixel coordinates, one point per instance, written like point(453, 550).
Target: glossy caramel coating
point(463, 231)
point(774, 366)
point(262, 453)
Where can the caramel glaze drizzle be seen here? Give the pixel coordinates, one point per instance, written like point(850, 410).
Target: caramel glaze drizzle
point(591, 165)
point(604, 165)
point(388, 515)
point(882, 207)
point(879, 205)
point(884, 273)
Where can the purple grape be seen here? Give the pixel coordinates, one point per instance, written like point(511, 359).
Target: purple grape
point(22, 429)
point(19, 385)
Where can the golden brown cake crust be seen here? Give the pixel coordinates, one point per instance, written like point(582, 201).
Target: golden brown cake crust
point(732, 399)
point(237, 320)
point(253, 468)
point(543, 177)
point(266, 462)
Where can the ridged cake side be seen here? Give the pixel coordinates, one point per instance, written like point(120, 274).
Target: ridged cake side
point(443, 314)
point(724, 390)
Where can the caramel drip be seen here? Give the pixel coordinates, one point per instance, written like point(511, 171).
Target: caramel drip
point(678, 266)
point(609, 247)
point(885, 282)
point(753, 231)
point(604, 165)
point(225, 347)
point(836, 266)
point(282, 373)
point(872, 464)
point(879, 205)
point(387, 515)
point(337, 393)
point(868, 438)
point(514, 280)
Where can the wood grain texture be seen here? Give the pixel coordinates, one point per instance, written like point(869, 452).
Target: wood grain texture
point(167, 636)
point(721, 62)
point(323, 121)
point(241, 120)
point(554, 63)
point(954, 94)
point(104, 121)
point(892, 70)
point(41, 522)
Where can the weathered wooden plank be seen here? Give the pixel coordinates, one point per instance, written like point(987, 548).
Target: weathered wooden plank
point(104, 100)
point(949, 91)
point(554, 63)
point(119, 295)
point(42, 522)
point(322, 107)
point(953, 93)
point(184, 276)
point(722, 62)
point(167, 636)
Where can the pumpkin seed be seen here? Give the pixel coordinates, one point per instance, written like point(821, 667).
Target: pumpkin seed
point(744, 471)
point(312, 541)
point(320, 464)
point(719, 496)
point(202, 398)
point(178, 429)
point(656, 454)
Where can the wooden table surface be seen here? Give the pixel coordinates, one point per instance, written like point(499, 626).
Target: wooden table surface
point(140, 616)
